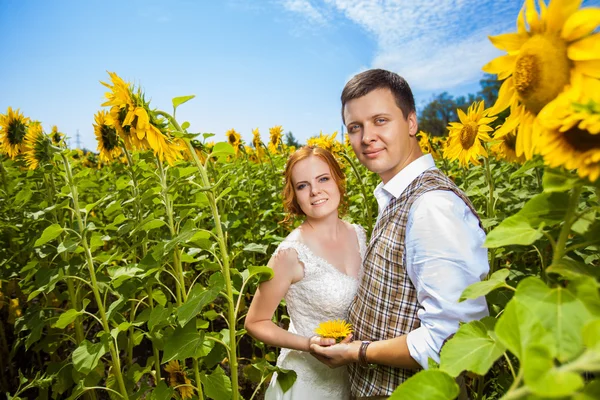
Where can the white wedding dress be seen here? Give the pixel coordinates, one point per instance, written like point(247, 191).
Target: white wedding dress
point(324, 294)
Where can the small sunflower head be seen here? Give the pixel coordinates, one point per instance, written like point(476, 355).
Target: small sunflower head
point(38, 146)
point(178, 379)
point(336, 329)
point(58, 138)
point(13, 129)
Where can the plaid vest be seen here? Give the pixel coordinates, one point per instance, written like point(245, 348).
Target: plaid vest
point(386, 305)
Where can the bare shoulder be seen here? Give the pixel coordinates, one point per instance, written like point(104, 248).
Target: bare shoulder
point(286, 264)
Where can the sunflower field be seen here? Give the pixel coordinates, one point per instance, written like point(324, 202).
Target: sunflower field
point(127, 273)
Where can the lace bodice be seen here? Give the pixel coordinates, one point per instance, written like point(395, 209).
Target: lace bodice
point(325, 293)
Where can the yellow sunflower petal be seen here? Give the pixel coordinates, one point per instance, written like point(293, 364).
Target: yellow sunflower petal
point(521, 27)
point(588, 67)
point(509, 42)
point(505, 97)
point(531, 15)
point(580, 24)
point(502, 66)
point(559, 11)
point(462, 116)
point(585, 49)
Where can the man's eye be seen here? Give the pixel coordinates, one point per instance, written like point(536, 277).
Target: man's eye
point(353, 128)
point(380, 120)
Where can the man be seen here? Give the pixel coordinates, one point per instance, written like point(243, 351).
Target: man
point(425, 249)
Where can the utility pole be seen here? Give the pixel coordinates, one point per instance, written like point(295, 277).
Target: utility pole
point(78, 139)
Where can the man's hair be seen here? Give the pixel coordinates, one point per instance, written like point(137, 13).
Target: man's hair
point(367, 81)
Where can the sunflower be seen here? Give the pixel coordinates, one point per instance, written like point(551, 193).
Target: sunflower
point(258, 144)
point(571, 131)
point(106, 135)
point(557, 48)
point(234, 139)
point(13, 128)
point(38, 146)
point(466, 137)
point(337, 329)
point(275, 138)
point(505, 148)
point(178, 377)
point(427, 146)
point(56, 136)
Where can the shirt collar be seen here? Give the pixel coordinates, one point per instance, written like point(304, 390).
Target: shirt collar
point(404, 177)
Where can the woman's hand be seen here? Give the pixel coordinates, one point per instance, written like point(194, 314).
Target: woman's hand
point(320, 341)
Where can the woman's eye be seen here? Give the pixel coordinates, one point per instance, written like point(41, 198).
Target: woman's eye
point(324, 179)
point(300, 187)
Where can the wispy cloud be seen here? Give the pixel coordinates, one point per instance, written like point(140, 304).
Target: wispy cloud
point(435, 44)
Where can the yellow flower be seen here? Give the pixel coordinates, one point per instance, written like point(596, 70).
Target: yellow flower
point(38, 148)
point(505, 148)
point(337, 329)
point(56, 136)
point(571, 134)
point(13, 128)
point(427, 146)
point(14, 311)
point(275, 138)
point(234, 139)
point(106, 135)
point(466, 137)
point(178, 377)
point(555, 49)
point(257, 142)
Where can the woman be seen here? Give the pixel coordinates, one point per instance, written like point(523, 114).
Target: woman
point(316, 270)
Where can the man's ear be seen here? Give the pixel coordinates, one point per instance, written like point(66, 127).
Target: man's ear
point(413, 124)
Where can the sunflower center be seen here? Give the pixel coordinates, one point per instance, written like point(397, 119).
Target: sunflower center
point(511, 141)
point(541, 71)
point(16, 132)
point(582, 140)
point(110, 139)
point(468, 135)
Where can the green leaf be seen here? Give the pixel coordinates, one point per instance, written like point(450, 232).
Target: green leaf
point(177, 101)
point(87, 355)
point(159, 315)
point(162, 392)
point(222, 148)
point(529, 165)
point(155, 223)
point(559, 311)
point(185, 125)
point(543, 378)
point(256, 248)
point(479, 289)
point(186, 342)
point(427, 385)
point(555, 181)
point(200, 297)
point(591, 335)
point(549, 208)
point(473, 348)
point(66, 318)
point(217, 385)
point(263, 273)
point(286, 378)
point(514, 230)
point(51, 232)
point(518, 327)
point(121, 274)
point(571, 269)
point(590, 392)
point(23, 197)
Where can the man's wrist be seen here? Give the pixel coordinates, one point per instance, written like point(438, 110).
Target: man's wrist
point(362, 353)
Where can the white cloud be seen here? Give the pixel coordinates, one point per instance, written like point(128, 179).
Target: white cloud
point(435, 44)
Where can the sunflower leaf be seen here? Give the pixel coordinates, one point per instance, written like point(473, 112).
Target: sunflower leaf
point(427, 385)
point(177, 101)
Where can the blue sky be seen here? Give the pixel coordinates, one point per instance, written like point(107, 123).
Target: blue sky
point(250, 63)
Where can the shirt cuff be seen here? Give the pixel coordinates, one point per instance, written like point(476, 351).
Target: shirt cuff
point(421, 346)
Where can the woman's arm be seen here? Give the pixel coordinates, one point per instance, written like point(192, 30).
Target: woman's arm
point(287, 270)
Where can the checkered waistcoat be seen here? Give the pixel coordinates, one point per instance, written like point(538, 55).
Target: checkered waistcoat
point(386, 303)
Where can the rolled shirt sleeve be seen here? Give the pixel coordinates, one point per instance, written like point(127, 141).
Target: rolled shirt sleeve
point(444, 255)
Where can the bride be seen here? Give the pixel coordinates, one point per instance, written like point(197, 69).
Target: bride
point(316, 270)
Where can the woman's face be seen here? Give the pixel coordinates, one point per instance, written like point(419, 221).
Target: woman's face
point(316, 191)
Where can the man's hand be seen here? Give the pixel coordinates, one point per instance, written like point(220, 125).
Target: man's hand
point(346, 352)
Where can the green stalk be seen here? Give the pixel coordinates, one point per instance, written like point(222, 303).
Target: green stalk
point(4, 177)
point(94, 282)
point(231, 317)
point(198, 382)
point(3, 356)
point(491, 212)
point(154, 348)
point(181, 291)
point(561, 243)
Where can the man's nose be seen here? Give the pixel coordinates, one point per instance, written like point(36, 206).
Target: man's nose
point(369, 134)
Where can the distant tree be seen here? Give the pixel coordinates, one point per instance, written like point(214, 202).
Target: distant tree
point(290, 140)
point(437, 114)
point(490, 86)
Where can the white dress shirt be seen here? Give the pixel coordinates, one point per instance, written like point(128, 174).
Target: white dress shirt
point(444, 255)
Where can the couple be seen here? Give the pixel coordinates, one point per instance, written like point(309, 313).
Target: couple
point(400, 291)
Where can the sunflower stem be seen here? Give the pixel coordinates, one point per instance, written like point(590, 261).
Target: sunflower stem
point(4, 177)
point(561, 243)
point(491, 212)
point(222, 241)
point(94, 283)
point(198, 382)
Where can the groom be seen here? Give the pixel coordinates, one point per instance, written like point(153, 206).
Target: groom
point(425, 249)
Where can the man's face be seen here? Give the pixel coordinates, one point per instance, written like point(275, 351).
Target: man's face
point(381, 137)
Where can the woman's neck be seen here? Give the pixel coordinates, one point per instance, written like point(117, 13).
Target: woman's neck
point(327, 228)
